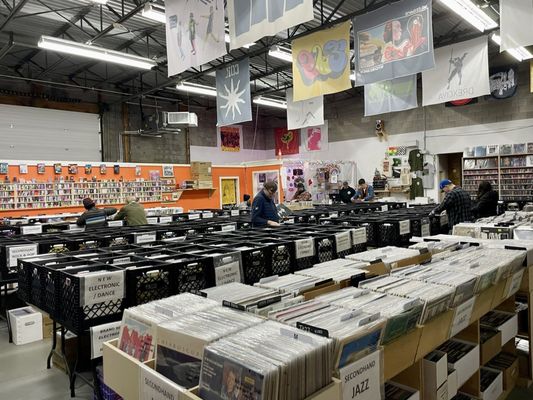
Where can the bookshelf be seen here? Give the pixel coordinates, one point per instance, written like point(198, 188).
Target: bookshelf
point(22, 196)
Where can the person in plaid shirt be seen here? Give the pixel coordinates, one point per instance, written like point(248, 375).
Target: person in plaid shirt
point(457, 204)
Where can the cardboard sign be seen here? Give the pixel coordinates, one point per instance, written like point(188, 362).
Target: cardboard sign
point(235, 213)
point(361, 380)
point(154, 386)
point(100, 334)
point(115, 223)
point(207, 214)
point(343, 241)
point(107, 286)
point(463, 314)
point(194, 216)
point(165, 220)
point(151, 220)
point(405, 227)
point(31, 229)
point(359, 236)
point(385, 208)
point(228, 228)
point(425, 230)
point(305, 248)
point(16, 252)
point(228, 273)
point(145, 238)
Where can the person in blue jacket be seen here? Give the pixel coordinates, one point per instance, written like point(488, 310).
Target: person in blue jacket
point(264, 211)
point(365, 192)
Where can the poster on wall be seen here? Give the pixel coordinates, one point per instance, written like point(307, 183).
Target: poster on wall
point(262, 177)
point(73, 169)
point(194, 32)
point(103, 169)
point(394, 41)
point(229, 191)
point(249, 21)
point(168, 171)
point(88, 169)
point(229, 138)
point(4, 168)
point(462, 71)
point(321, 63)
point(234, 103)
point(503, 82)
point(314, 138)
point(138, 170)
point(58, 169)
point(23, 169)
point(41, 168)
point(301, 114)
point(154, 174)
point(116, 169)
point(391, 96)
point(287, 141)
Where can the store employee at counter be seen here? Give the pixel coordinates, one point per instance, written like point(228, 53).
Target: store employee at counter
point(264, 211)
point(365, 192)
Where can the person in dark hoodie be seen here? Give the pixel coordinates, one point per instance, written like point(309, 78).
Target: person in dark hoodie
point(487, 201)
point(94, 217)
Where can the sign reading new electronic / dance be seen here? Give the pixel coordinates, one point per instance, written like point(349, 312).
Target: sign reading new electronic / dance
point(393, 41)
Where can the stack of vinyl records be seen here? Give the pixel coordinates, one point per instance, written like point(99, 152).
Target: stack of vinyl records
point(138, 327)
point(437, 247)
point(269, 361)
point(387, 254)
point(181, 341)
point(339, 270)
point(295, 284)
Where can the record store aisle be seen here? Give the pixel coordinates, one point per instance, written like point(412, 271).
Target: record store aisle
point(23, 373)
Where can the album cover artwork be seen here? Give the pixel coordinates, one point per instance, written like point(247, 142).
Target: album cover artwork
point(136, 339)
point(178, 367)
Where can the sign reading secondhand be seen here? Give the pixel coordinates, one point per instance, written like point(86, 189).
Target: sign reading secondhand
point(233, 93)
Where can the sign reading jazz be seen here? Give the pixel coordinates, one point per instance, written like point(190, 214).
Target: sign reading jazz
point(462, 71)
point(394, 41)
point(195, 33)
point(321, 63)
point(233, 93)
point(250, 20)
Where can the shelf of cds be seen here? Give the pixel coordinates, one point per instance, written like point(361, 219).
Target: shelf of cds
point(510, 174)
point(18, 196)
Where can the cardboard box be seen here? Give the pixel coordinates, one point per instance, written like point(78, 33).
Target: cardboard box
point(401, 353)
point(452, 383)
point(509, 328)
point(434, 333)
point(202, 167)
point(467, 365)
point(510, 372)
point(495, 389)
point(435, 370)
point(26, 325)
point(491, 346)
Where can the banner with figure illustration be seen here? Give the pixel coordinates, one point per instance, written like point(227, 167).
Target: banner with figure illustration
point(234, 103)
point(462, 71)
point(287, 141)
point(321, 63)
point(195, 33)
point(301, 114)
point(390, 96)
point(394, 41)
point(250, 20)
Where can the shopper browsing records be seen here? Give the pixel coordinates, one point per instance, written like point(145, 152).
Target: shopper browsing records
point(301, 194)
point(457, 204)
point(245, 203)
point(346, 193)
point(264, 211)
point(94, 217)
point(365, 192)
point(132, 213)
point(487, 201)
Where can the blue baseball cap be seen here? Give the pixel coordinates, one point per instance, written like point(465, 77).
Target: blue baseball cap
point(444, 182)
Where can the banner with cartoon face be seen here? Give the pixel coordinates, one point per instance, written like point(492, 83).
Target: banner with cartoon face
point(321, 63)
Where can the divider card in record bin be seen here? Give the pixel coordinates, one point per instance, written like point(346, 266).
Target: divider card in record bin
point(100, 287)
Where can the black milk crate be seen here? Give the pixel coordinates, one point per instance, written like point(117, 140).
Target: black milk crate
point(90, 254)
point(372, 232)
point(305, 252)
point(125, 248)
point(420, 226)
point(171, 231)
point(85, 242)
point(79, 292)
point(146, 280)
point(324, 244)
point(255, 260)
point(10, 251)
point(280, 252)
point(395, 231)
point(27, 273)
point(187, 217)
point(343, 241)
point(190, 274)
point(57, 245)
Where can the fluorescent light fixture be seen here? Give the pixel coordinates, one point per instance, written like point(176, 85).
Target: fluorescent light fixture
point(196, 88)
point(281, 53)
point(269, 102)
point(520, 53)
point(227, 39)
point(97, 53)
point(154, 13)
point(471, 13)
point(99, 1)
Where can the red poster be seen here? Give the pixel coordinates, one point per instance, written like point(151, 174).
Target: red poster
point(287, 142)
point(230, 138)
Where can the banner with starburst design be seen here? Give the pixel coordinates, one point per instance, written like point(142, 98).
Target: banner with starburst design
point(194, 32)
point(234, 103)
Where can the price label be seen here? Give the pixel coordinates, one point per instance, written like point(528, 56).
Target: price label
point(425, 231)
point(362, 379)
point(107, 286)
point(100, 334)
point(343, 241)
point(228, 228)
point(359, 236)
point(115, 223)
point(207, 214)
point(151, 220)
point(31, 229)
point(194, 216)
point(165, 220)
point(235, 213)
point(385, 208)
point(154, 386)
point(305, 248)
point(228, 273)
point(334, 214)
point(405, 227)
point(145, 238)
point(16, 252)
point(462, 316)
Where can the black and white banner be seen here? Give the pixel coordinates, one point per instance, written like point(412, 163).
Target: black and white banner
point(233, 93)
point(503, 82)
point(462, 71)
point(301, 114)
point(390, 96)
point(516, 22)
point(394, 41)
point(195, 33)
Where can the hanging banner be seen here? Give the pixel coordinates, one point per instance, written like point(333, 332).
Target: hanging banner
point(314, 138)
point(287, 141)
point(462, 71)
point(390, 96)
point(503, 82)
point(321, 63)
point(229, 138)
point(233, 93)
point(301, 114)
point(195, 33)
point(516, 19)
point(393, 41)
point(531, 76)
point(251, 20)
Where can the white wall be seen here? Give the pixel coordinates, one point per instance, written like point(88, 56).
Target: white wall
point(32, 133)
point(219, 157)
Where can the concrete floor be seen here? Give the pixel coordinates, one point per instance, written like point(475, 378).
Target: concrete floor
point(23, 374)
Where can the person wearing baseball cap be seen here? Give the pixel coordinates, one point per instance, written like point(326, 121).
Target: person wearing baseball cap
point(457, 204)
point(94, 217)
